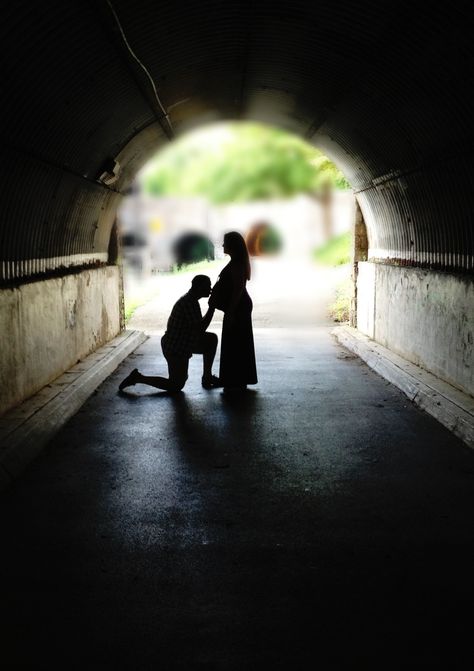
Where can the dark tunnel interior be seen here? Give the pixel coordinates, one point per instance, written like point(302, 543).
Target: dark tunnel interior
point(384, 90)
point(373, 498)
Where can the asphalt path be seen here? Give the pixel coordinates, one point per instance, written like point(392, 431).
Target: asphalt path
point(318, 521)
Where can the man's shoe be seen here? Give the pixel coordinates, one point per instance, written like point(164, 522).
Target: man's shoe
point(129, 380)
point(211, 382)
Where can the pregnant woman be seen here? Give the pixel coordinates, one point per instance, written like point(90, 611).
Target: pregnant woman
point(237, 364)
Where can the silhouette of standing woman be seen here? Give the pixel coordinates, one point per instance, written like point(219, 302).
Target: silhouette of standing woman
point(237, 363)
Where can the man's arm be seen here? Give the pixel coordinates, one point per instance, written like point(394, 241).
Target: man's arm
point(206, 320)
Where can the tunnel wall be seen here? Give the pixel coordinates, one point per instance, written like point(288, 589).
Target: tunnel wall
point(91, 90)
point(47, 326)
point(424, 315)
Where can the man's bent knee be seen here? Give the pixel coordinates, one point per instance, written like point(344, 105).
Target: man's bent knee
point(177, 384)
point(177, 372)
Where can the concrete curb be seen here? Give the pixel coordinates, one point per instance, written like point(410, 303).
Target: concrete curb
point(450, 406)
point(25, 430)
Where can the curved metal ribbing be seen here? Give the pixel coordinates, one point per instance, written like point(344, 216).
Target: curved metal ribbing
point(383, 88)
point(422, 219)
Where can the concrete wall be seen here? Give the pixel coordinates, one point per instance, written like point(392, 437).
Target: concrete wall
point(161, 220)
point(425, 316)
point(46, 326)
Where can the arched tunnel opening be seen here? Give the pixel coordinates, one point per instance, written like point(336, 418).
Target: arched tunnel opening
point(192, 248)
point(291, 204)
point(322, 518)
point(263, 239)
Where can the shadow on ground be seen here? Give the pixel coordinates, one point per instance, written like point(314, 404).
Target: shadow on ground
point(319, 521)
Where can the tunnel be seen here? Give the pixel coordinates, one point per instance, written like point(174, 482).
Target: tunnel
point(192, 248)
point(262, 238)
point(91, 90)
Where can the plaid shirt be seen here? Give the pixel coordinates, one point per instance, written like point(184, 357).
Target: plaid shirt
point(184, 327)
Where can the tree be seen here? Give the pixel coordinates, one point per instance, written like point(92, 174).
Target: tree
point(240, 162)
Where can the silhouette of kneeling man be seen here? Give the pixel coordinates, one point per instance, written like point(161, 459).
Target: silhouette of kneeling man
point(185, 335)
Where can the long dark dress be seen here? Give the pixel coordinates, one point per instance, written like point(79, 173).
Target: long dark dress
point(237, 366)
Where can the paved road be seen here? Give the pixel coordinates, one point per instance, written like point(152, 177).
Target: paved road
point(319, 522)
point(286, 292)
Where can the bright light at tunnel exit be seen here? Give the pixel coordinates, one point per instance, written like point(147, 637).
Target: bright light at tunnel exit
point(293, 206)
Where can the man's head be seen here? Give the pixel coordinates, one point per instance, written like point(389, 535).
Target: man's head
point(201, 286)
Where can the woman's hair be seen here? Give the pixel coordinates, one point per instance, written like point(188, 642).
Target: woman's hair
point(237, 249)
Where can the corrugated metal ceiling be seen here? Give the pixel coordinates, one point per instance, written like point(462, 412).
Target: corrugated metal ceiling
point(383, 87)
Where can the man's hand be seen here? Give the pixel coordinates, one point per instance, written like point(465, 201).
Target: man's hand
point(206, 320)
point(211, 302)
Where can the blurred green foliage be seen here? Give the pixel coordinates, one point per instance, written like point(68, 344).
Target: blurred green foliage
point(335, 252)
point(339, 310)
point(240, 162)
point(271, 242)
